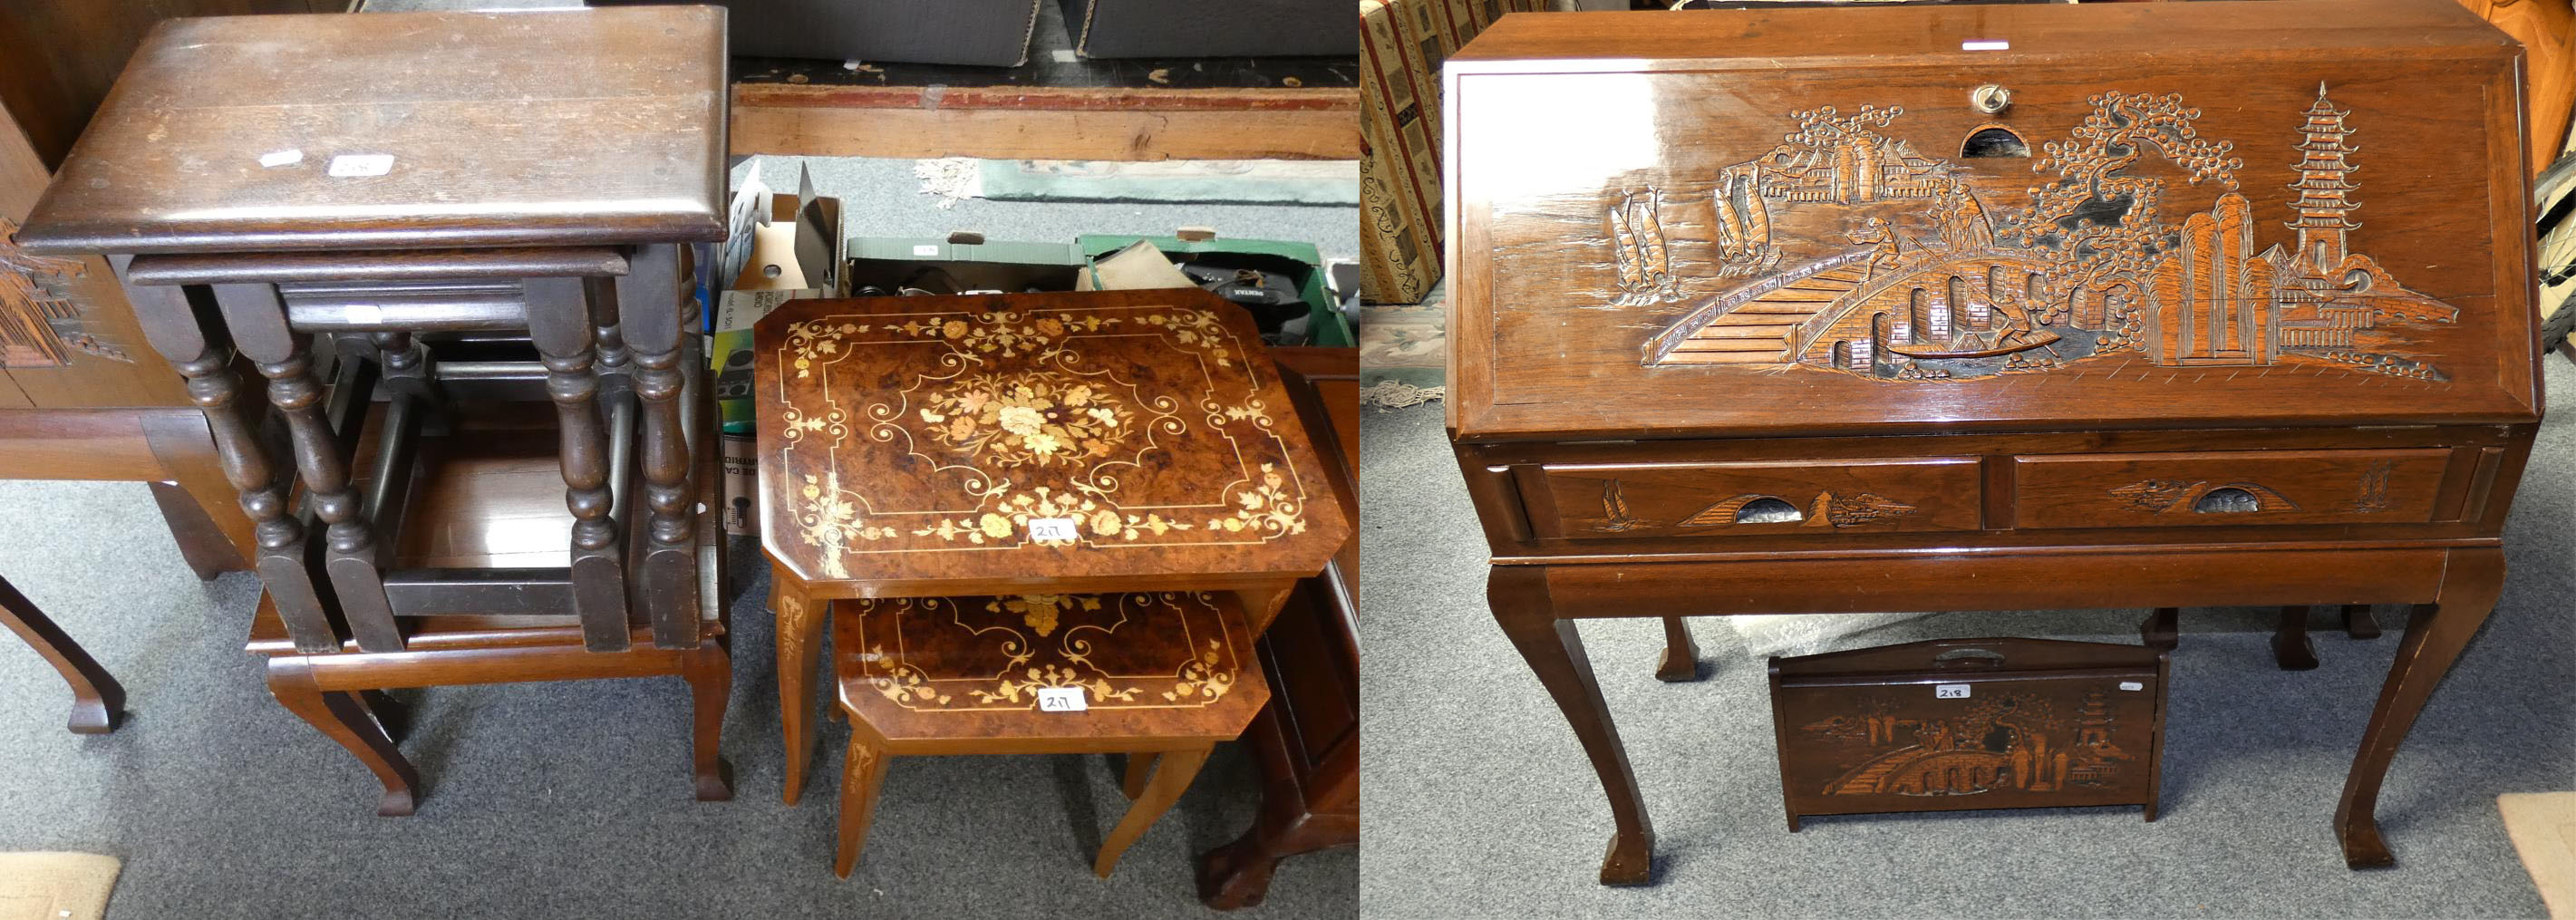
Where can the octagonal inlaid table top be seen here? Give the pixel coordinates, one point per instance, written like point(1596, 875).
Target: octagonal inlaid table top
point(1114, 440)
point(1170, 664)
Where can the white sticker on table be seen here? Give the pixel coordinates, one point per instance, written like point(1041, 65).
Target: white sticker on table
point(281, 158)
point(358, 165)
point(2132, 685)
point(1061, 699)
point(925, 249)
point(1950, 691)
point(1055, 530)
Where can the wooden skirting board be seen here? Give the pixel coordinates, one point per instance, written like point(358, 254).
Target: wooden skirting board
point(1046, 123)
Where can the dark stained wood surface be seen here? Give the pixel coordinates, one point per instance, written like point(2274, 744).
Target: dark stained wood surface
point(98, 701)
point(908, 442)
point(396, 265)
point(65, 54)
point(476, 111)
point(2035, 723)
point(1613, 278)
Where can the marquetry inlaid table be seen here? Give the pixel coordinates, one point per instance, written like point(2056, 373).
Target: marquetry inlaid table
point(1940, 308)
point(1161, 676)
point(1025, 445)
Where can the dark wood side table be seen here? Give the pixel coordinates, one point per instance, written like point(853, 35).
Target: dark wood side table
point(1307, 740)
point(98, 701)
point(426, 193)
point(1025, 444)
point(1831, 310)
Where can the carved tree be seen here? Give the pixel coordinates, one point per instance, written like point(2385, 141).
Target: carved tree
point(2107, 228)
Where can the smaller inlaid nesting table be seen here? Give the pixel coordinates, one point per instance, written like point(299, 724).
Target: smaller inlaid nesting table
point(1133, 449)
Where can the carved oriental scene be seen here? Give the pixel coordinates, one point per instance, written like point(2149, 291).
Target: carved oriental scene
point(2099, 239)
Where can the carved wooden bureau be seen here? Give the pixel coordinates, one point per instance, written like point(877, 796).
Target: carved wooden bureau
point(1973, 308)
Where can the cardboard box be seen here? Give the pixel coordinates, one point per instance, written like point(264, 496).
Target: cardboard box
point(991, 33)
point(1400, 228)
point(1196, 28)
point(1301, 261)
point(964, 261)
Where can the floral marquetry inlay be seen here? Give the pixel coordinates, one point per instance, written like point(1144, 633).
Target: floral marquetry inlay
point(1123, 651)
point(1026, 425)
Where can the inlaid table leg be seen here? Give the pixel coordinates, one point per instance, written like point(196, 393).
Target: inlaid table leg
point(709, 671)
point(862, 776)
point(1140, 767)
point(344, 717)
point(2290, 646)
point(2358, 623)
point(1681, 653)
point(800, 642)
point(98, 701)
point(2436, 633)
point(1172, 774)
point(1554, 650)
point(1262, 605)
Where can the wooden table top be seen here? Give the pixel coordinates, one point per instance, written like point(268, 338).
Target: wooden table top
point(402, 131)
point(991, 444)
point(1161, 665)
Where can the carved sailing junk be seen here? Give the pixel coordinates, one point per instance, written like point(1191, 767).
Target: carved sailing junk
point(1864, 257)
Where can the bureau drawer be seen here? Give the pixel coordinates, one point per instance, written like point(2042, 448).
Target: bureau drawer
point(2223, 488)
point(1774, 497)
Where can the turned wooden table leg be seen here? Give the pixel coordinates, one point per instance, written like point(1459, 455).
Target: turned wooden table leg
point(1518, 595)
point(98, 701)
point(344, 717)
point(2436, 633)
point(800, 642)
point(1681, 653)
point(2290, 646)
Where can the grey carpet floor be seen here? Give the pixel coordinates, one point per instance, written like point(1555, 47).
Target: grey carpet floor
point(544, 800)
point(1478, 802)
point(570, 799)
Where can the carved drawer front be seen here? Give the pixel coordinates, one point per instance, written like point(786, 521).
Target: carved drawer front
point(2270, 487)
point(1771, 498)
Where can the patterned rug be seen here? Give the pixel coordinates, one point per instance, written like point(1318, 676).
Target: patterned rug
point(1404, 352)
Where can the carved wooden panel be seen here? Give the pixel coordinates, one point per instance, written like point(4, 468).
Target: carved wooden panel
point(2219, 489)
point(1965, 723)
point(1847, 246)
point(1033, 436)
point(1590, 501)
point(971, 667)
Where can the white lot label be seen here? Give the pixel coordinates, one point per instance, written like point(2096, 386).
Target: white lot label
point(352, 165)
point(1061, 699)
point(925, 249)
point(1985, 45)
point(1055, 530)
point(1950, 691)
point(281, 158)
point(2132, 685)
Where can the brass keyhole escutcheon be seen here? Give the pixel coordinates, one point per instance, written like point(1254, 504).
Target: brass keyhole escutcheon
point(1991, 98)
